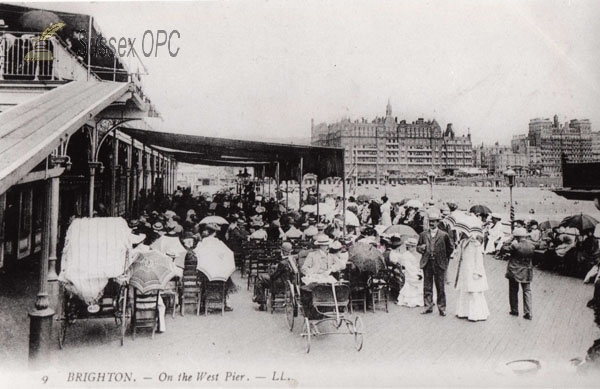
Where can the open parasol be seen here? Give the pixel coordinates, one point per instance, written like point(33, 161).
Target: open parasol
point(401, 229)
point(548, 224)
point(580, 221)
point(461, 222)
point(38, 20)
point(172, 247)
point(152, 270)
point(215, 259)
point(213, 219)
point(366, 258)
point(480, 209)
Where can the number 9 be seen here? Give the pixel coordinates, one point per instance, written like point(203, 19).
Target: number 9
point(45, 379)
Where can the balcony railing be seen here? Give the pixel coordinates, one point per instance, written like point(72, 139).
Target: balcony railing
point(65, 65)
point(15, 46)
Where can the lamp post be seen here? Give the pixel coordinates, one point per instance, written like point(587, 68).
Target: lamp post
point(239, 182)
point(431, 180)
point(510, 179)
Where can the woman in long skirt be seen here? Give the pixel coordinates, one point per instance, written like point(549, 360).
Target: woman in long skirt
point(411, 294)
point(471, 280)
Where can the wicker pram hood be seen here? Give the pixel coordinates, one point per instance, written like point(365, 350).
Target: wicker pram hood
point(96, 250)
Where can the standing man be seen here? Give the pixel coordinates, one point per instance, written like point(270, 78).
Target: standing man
point(436, 247)
point(519, 271)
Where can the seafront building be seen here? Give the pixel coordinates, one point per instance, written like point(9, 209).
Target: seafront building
point(387, 150)
point(596, 146)
point(553, 140)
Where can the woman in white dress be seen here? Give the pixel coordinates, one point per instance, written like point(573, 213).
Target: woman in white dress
point(386, 212)
point(471, 280)
point(411, 294)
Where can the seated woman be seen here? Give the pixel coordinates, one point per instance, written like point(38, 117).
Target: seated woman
point(319, 267)
point(286, 270)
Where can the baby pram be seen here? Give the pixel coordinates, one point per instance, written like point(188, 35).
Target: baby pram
point(330, 304)
point(93, 277)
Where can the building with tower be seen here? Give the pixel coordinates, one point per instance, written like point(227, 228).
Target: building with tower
point(387, 150)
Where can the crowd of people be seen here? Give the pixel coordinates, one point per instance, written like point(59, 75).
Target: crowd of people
point(338, 248)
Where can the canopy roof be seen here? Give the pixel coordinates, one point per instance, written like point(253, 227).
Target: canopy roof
point(202, 150)
point(30, 131)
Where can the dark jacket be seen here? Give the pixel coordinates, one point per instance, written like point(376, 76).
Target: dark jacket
point(437, 250)
point(520, 266)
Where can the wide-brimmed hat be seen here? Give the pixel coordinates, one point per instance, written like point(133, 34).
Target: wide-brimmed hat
point(158, 226)
point(322, 240)
point(134, 223)
point(395, 240)
point(321, 226)
point(519, 231)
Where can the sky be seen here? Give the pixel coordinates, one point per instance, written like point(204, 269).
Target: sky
point(263, 69)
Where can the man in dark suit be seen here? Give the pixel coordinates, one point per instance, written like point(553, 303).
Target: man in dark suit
point(436, 247)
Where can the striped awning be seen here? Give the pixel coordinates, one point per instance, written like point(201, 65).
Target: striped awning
point(29, 132)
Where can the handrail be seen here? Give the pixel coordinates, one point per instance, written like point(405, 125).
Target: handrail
point(16, 44)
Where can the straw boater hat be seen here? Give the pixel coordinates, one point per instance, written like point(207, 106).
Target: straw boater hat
point(322, 240)
point(257, 223)
point(158, 226)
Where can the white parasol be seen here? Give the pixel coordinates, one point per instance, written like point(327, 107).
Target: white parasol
point(462, 222)
point(215, 259)
point(213, 219)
